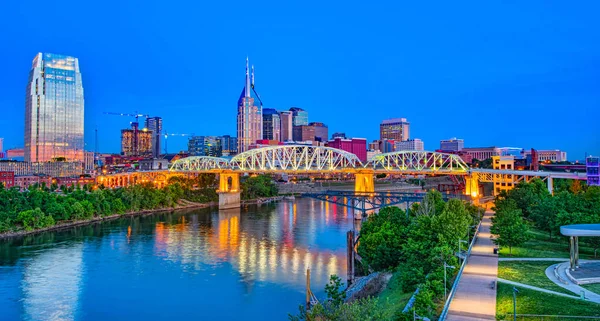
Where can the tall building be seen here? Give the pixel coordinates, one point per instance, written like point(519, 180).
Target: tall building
point(287, 125)
point(271, 124)
point(205, 146)
point(338, 135)
point(304, 133)
point(155, 125)
point(387, 145)
point(229, 145)
point(397, 129)
point(321, 131)
point(2, 148)
point(136, 142)
point(300, 116)
point(54, 109)
point(452, 144)
point(411, 144)
point(249, 116)
point(356, 146)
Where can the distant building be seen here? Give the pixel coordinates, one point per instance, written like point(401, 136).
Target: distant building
point(356, 146)
point(2, 148)
point(54, 169)
point(54, 108)
point(265, 142)
point(205, 146)
point(229, 145)
point(397, 129)
point(153, 164)
point(287, 126)
point(321, 131)
point(271, 124)
point(299, 116)
point(304, 133)
point(27, 180)
point(411, 144)
point(452, 144)
point(154, 124)
point(482, 153)
point(249, 116)
point(136, 142)
point(548, 155)
point(88, 162)
point(338, 135)
point(592, 167)
point(15, 154)
point(387, 145)
point(503, 182)
point(374, 145)
point(372, 153)
point(7, 179)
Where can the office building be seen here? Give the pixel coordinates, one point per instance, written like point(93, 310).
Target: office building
point(338, 135)
point(482, 153)
point(503, 182)
point(154, 124)
point(249, 116)
point(2, 155)
point(452, 144)
point(548, 155)
point(411, 144)
point(299, 116)
point(205, 146)
point(287, 125)
point(374, 145)
point(592, 167)
point(387, 145)
point(54, 169)
point(136, 142)
point(321, 131)
point(229, 145)
point(356, 146)
point(54, 109)
point(397, 129)
point(15, 154)
point(304, 133)
point(271, 124)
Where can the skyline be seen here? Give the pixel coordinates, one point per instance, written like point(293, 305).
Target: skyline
point(542, 66)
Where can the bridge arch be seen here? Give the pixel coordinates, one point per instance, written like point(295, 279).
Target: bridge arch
point(295, 158)
point(418, 162)
point(199, 163)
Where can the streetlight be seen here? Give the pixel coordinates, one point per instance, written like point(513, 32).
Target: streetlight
point(460, 241)
point(515, 291)
point(445, 286)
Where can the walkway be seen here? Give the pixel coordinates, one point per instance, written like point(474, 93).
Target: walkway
point(565, 282)
point(535, 288)
point(475, 298)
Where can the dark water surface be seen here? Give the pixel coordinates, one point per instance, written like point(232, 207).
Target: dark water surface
point(247, 264)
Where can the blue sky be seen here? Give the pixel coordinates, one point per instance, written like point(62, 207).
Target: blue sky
point(521, 73)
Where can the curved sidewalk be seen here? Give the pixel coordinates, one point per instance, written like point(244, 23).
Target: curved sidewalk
point(575, 288)
point(475, 298)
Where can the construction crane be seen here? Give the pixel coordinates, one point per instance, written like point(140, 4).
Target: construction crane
point(136, 115)
point(166, 134)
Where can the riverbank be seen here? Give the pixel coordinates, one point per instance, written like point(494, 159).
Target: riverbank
point(184, 204)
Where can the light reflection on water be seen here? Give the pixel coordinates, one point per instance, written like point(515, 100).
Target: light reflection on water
point(198, 264)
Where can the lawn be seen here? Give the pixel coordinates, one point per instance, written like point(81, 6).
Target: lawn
point(533, 302)
point(393, 298)
point(540, 246)
point(592, 287)
point(529, 272)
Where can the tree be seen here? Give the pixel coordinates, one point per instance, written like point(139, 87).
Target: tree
point(334, 291)
point(453, 223)
point(33, 219)
point(527, 195)
point(510, 227)
point(382, 238)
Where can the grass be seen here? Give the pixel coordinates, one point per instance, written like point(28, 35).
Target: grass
point(533, 302)
point(540, 246)
point(529, 272)
point(393, 298)
point(592, 287)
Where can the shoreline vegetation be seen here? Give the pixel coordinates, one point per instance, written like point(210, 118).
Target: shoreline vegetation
point(42, 208)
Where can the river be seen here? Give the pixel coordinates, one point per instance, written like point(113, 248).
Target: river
point(205, 264)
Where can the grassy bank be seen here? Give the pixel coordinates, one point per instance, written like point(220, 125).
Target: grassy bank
point(529, 272)
point(540, 246)
point(393, 298)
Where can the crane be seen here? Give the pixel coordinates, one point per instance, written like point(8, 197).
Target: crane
point(166, 134)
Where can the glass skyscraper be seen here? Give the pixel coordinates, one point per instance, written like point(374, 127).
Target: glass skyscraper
point(155, 125)
point(54, 109)
point(271, 124)
point(300, 116)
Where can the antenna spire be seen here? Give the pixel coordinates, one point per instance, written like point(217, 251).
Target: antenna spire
point(247, 88)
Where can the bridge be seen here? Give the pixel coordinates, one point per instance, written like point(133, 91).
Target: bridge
point(303, 159)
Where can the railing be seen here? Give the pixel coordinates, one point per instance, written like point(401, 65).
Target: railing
point(458, 276)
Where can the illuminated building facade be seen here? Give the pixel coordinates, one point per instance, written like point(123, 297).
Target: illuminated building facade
point(482, 153)
point(7, 179)
point(205, 146)
point(154, 124)
point(271, 124)
point(287, 126)
point(136, 142)
point(54, 169)
point(411, 144)
point(54, 109)
point(356, 146)
point(452, 144)
point(249, 117)
point(548, 155)
point(503, 182)
point(229, 145)
point(397, 129)
point(299, 116)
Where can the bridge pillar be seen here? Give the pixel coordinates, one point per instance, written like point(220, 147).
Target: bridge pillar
point(472, 185)
point(229, 190)
point(363, 182)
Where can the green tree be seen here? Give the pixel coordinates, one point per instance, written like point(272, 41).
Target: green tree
point(334, 291)
point(33, 219)
point(382, 238)
point(509, 226)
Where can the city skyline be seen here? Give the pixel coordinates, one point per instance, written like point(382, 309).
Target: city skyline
point(530, 83)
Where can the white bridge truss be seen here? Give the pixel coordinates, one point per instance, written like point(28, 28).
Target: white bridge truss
point(418, 162)
point(200, 164)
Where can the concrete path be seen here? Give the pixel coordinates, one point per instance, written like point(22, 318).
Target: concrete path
point(566, 283)
point(502, 259)
point(535, 288)
point(475, 298)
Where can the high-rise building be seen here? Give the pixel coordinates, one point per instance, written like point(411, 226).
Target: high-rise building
point(304, 133)
point(452, 144)
point(271, 124)
point(300, 116)
point(397, 129)
point(338, 135)
point(155, 125)
point(136, 142)
point(592, 168)
point(205, 146)
point(229, 145)
point(356, 146)
point(287, 125)
point(387, 145)
point(54, 109)
point(321, 131)
point(411, 144)
point(249, 116)
point(2, 148)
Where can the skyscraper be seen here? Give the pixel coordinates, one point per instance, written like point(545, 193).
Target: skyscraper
point(287, 126)
point(155, 125)
point(321, 131)
point(135, 142)
point(397, 129)
point(54, 109)
point(205, 146)
point(271, 124)
point(300, 116)
point(249, 116)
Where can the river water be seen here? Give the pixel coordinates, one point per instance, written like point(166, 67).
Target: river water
point(247, 264)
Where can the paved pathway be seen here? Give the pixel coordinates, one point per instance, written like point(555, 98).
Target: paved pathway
point(475, 299)
point(533, 259)
point(566, 283)
point(535, 288)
